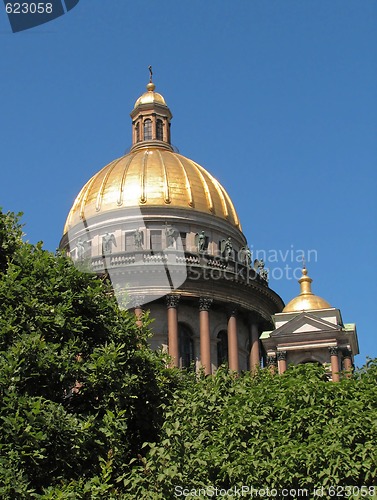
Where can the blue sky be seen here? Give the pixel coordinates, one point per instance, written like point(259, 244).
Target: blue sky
point(277, 99)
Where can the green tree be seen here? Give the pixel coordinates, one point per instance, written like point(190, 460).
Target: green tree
point(80, 389)
point(279, 431)
point(89, 411)
point(10, 237)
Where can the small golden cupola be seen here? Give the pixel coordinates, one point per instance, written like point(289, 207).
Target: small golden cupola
point(306, 300)
point(151, 120)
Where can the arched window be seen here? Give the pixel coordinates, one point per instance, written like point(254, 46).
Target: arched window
point(222, 347)
point(159, 130)
point(137, 128)
point(147, 130)
point(186, 346)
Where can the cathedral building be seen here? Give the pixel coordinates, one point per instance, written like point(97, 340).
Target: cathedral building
point(167, 234)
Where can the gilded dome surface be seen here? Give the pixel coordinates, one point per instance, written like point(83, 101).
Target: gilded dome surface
point(306, 301)
point(150, 97)
point(152, 174)
point(152, 177)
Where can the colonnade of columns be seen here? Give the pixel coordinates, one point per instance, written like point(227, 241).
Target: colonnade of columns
point(278, 362)
point(205, 303)
point(335, 365)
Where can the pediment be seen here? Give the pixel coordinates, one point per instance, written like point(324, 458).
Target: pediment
point(305, 323)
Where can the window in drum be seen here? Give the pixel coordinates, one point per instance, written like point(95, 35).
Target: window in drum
point(156, 240)
point(159, 130)
point(148, 130)
point(130, 242)
point(186, 346)
point(222, 347)
point(183, 240)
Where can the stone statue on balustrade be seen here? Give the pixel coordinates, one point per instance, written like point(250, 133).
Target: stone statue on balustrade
point(171, 236)
point(201, 241)
point(80, 249)
point(107, 243)
point(245, 256)
point(259, 267)
point(138, 239)
point(226, 249)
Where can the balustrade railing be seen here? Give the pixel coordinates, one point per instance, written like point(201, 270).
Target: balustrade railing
point(229, 267)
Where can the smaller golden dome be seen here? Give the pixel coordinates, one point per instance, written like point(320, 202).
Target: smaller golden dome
point(306, 301)
point(150, 96)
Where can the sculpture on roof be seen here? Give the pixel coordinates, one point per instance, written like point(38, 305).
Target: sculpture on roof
point(171, 235)
point(138, 239)
point(107, 243)
point(259, 267)
point(201, 241)
point(80, 249)
point(226, 249)
point(246, 256)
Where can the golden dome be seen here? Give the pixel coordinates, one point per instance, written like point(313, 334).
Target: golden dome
point(152, 176)
point(306, 301)
point(150, 97)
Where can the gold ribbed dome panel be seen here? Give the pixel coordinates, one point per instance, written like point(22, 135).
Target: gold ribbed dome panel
point(149, 98)
point(308, 303)
point(154, 177)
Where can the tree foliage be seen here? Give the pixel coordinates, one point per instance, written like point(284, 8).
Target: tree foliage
point(10, 237)
point(80, 389)
point(290, 431)
point(89, 411)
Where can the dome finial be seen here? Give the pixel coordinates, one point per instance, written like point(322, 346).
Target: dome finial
point(306, 300)
point(305, 282)
point(151, 86)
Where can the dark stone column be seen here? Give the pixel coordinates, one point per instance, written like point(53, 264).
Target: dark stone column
point(138, 311)
point(334, 358)
point(233, 341)
point(272, 363)
point(254, 350)
point(173, 345)
point(347, 362)
point(282, 361)
point(205, 336)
